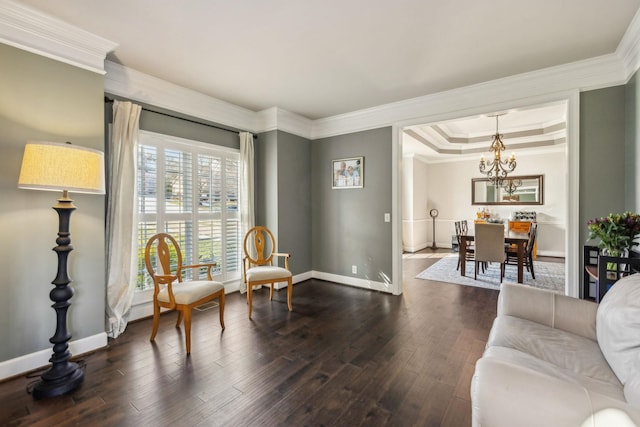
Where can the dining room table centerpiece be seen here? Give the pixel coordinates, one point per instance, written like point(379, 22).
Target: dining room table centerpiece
point(616, 232)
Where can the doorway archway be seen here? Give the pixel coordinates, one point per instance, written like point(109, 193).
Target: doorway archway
point(571, 100)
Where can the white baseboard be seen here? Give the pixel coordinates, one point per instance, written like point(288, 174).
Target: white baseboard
point(296, 279)
point(556, 254)
point(353, 281)
point(414, 248)
point(29, 362)
point(439, 245)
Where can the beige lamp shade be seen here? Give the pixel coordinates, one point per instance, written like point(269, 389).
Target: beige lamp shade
point(57, 166)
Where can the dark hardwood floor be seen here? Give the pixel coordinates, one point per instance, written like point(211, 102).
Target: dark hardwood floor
point(344, 357)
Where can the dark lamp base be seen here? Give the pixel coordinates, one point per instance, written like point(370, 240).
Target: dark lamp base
point(56, 381)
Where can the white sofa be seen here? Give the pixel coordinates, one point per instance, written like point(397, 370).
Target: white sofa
point(552, 360)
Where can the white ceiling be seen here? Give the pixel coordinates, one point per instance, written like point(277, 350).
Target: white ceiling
point(319, 58)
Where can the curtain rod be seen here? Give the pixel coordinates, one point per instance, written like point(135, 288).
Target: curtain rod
point(110, 101)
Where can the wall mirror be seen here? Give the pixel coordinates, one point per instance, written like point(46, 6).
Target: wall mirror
point(515, 190)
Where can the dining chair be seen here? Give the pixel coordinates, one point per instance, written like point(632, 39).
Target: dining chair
point(163, 259)
point(462, 228)
point(512, 253)
point(489, 246)
point(257, 266)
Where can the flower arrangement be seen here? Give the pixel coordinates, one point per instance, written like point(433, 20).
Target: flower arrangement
point(616, 232)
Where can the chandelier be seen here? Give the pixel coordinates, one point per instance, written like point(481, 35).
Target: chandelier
point(511, 185)
point(497, 169)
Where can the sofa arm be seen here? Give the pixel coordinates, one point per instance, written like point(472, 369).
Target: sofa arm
point(505, 394)
point(548, 308)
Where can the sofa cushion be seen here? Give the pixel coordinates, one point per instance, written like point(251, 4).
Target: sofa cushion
point(565, 350)
point(618, 331)
point(632, 390)
point(527, 361)
point(508, 394)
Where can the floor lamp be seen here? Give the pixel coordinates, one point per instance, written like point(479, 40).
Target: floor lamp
point(67, 168)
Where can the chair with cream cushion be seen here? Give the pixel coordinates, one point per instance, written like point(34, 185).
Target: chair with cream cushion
point(489, 246)
point(163, 259)
point(258, 268)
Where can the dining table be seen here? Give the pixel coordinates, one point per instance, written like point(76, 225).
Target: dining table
point(517, 238)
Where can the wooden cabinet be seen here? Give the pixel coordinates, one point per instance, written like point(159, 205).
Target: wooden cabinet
point(520, 226)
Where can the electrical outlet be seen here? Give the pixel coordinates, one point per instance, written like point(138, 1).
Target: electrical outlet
point(354, 269)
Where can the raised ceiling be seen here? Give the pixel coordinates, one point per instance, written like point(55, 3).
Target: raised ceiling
point(320, 59)
point(535, 128)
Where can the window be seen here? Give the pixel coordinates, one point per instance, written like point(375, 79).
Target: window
point(189, 189)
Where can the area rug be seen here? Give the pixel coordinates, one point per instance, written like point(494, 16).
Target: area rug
point(549, 275)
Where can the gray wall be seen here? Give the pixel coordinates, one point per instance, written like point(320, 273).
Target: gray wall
point(283, 194)
point(42, 99)
point(266, 186)
point(294, 200)
point(632, 112)
point(602, 154)
point(348, 225)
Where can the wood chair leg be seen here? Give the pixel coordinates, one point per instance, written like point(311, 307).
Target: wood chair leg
point(271, 291)
point(221, 306)
point(156, 321)
point(533, 274)
point(289, 293)
point(250, 297)
point(475, 271)
point(179, 318)
point(187, 328)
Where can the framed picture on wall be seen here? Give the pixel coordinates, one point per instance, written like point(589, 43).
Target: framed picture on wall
point(348, 173)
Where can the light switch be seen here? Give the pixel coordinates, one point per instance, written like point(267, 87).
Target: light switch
point(387, 217)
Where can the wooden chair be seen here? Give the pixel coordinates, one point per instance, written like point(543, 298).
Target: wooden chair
point(529, 252)
point(163, 259)
point(489, 240)
point(461, 229)
point(257, 266)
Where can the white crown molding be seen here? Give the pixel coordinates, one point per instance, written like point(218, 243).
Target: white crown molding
point(629, 48)
point(594, 73)
point(267, 119)
point(607, 70)
point(275, 118)
point(28, 29)
point(137, 86)
point(34, 31)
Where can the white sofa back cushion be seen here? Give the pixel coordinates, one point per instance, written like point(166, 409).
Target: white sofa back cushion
point(618, 331)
